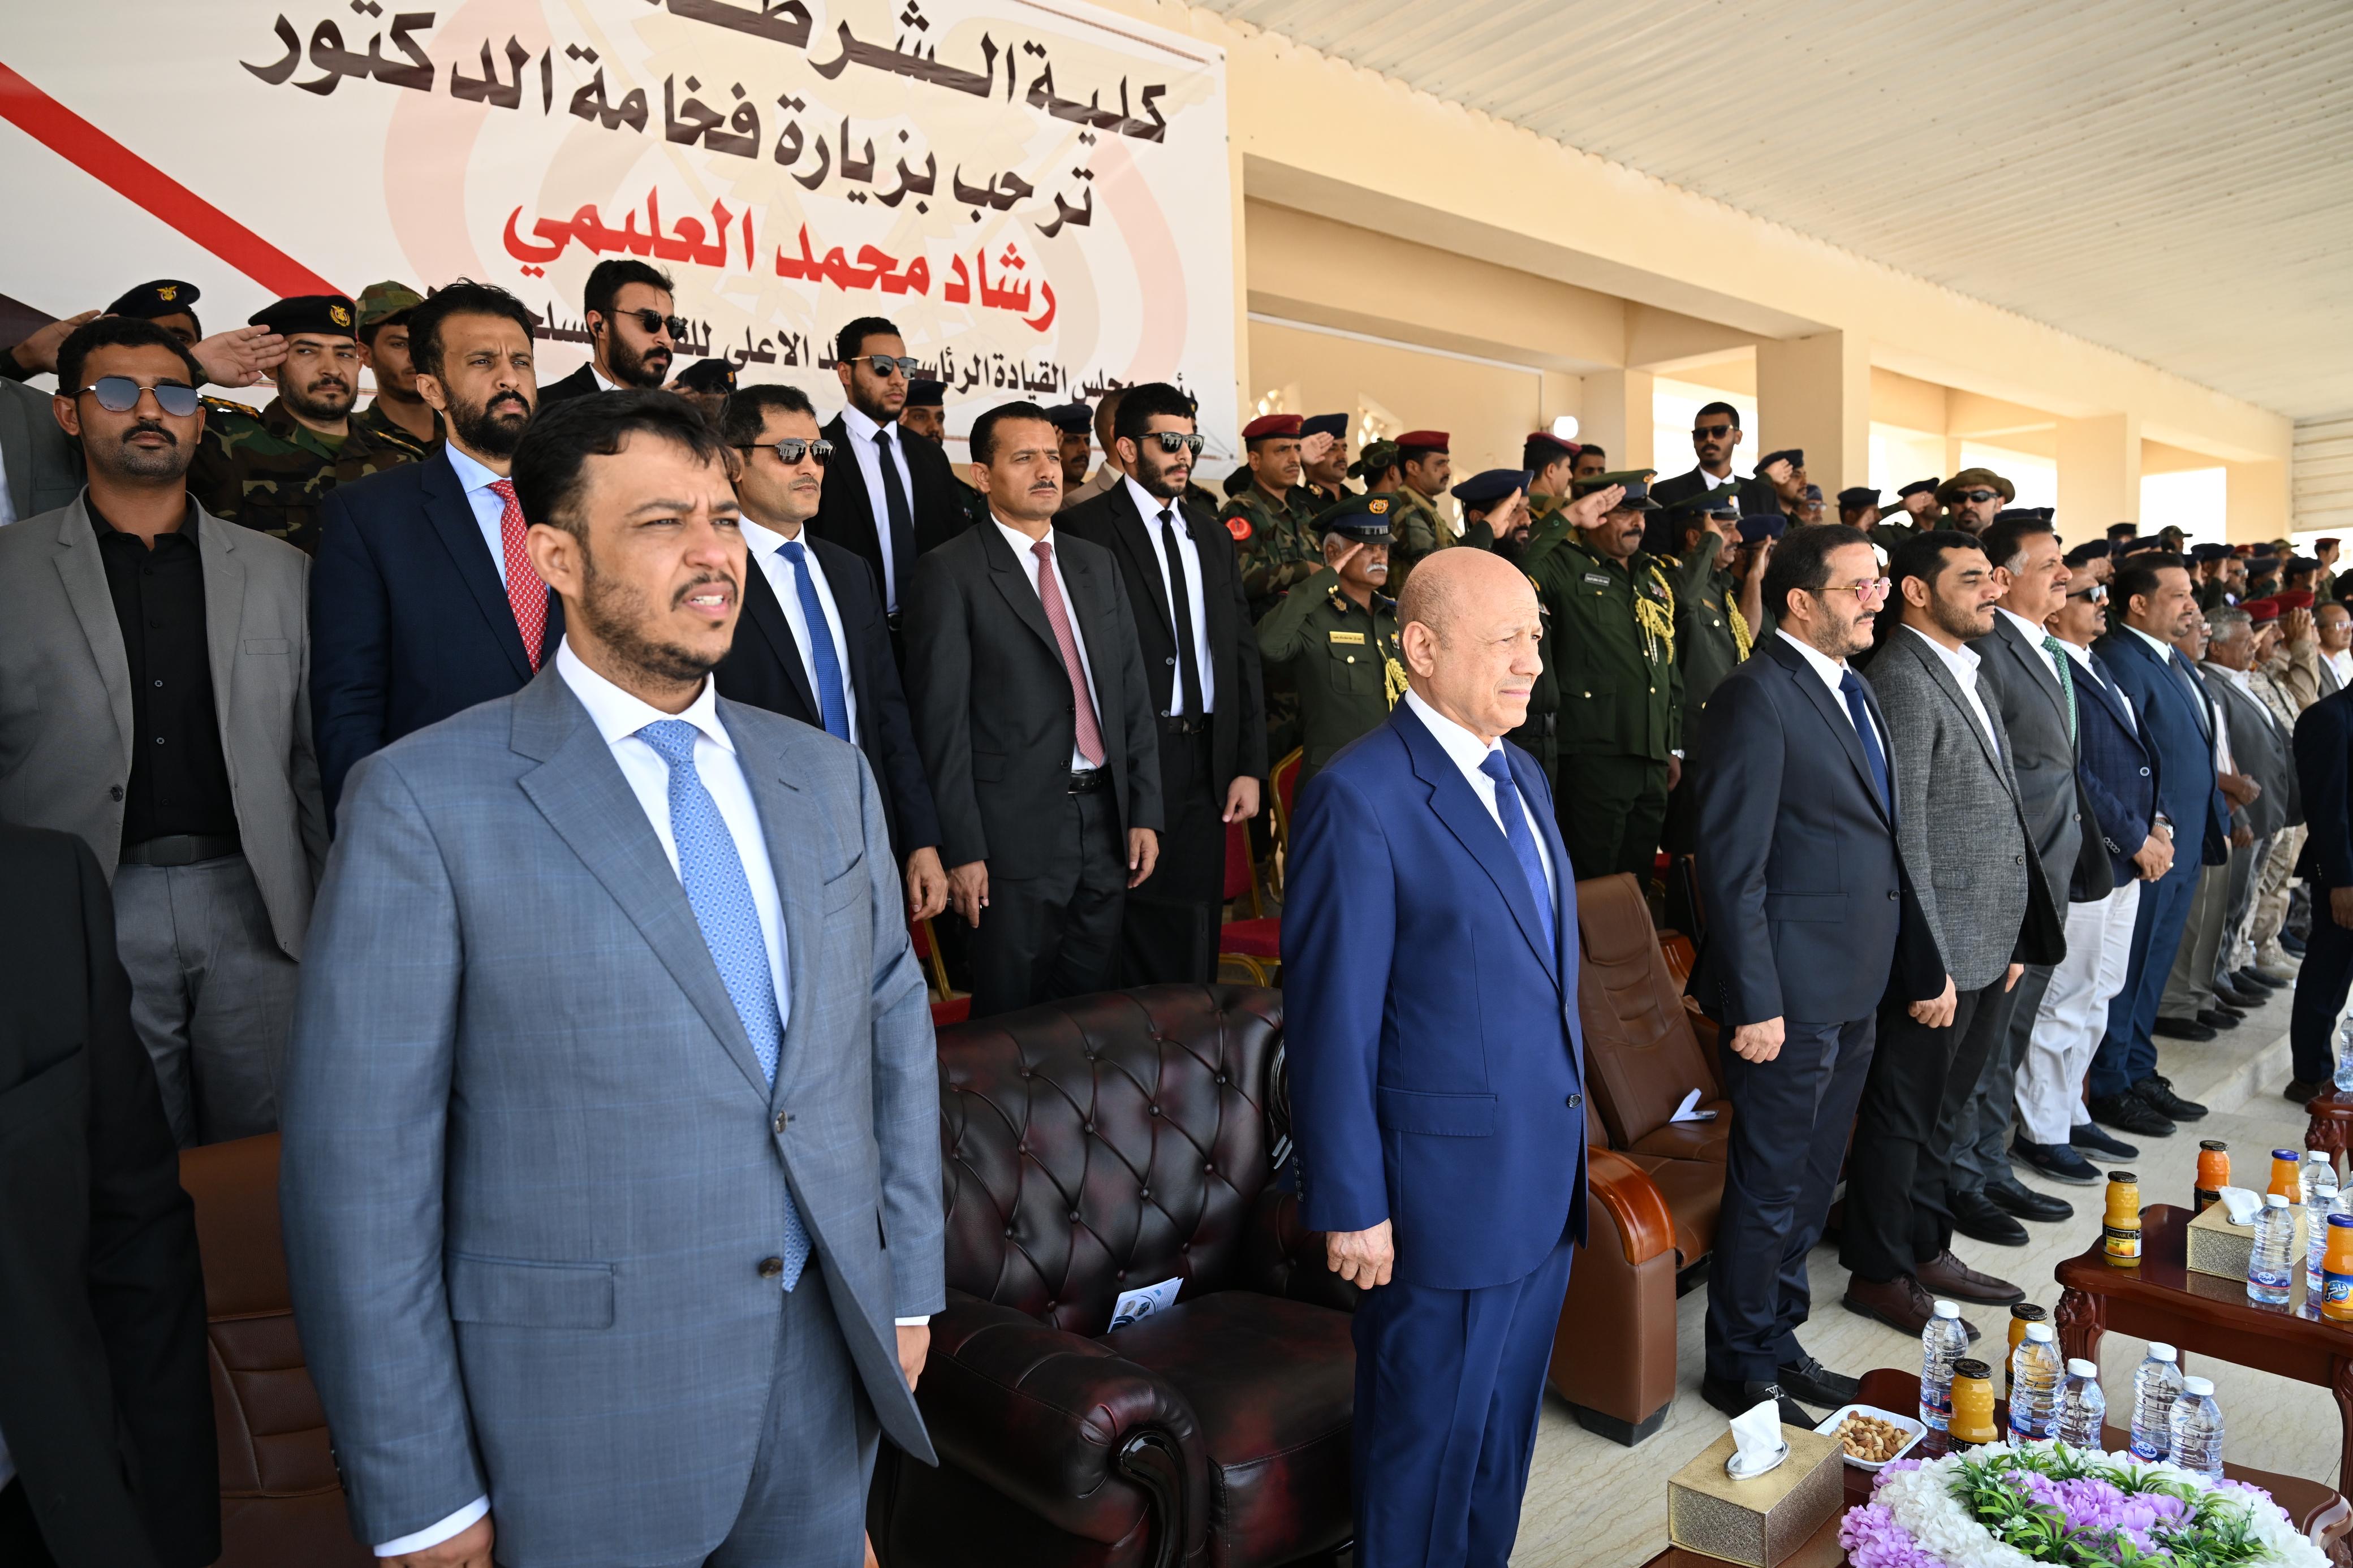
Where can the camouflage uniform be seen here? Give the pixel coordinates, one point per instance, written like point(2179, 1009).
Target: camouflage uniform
point(270, 473)
point(377, 422)
point(1277, 544)
point(1418, 530)
point(1344, 663)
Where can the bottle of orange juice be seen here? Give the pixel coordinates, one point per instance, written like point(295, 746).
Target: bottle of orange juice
point(2337, 1270)
point(2120, 1230)
point(2213, 1173)
point(2285, 1162)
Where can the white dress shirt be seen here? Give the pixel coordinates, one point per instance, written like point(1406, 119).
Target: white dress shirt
point(1020, 544)
point(2033, 636)
point(2341, 661)
point(1961, 663)
point(603, 382)
point(489, 507)
point(1832, 673)
point(862, 432)
point(1467, 752)
point(2084, 667)
point(1151, 507)
point(766, 546)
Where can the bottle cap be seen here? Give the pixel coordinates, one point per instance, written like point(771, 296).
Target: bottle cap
point(2040, 1333)
point(2198, 1387)
point(2321, 1156)
point(2274, 1200)
point(1948, 1308)
point(2214, 1145)
point(2124, 1176)
point(2029, 1312)
point(1967, 1368)
point(2341, 1217)
point(2078, 1367)
point(2284, 1155)
point(2159, 1350)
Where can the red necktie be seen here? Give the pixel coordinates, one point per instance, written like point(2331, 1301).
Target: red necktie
point(1049, 593)
point(526, 594)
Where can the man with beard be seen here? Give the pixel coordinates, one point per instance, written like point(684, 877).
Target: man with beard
point(1200, 660)
point(1715, 436)
point(1783, 474)
point(1075, 426)
point(1913, 512)
point(1858, 507)
point(1269, 520)
point(1334, 638)
point(273, 470)
point(1323, 457)
point(632, 332)
point(1417, 528)
point(152, 703)
point(1973, 497)
point(399, 413)
point(1107, 472)
point(925, 412)
point(424, 601)
point(1719, 591)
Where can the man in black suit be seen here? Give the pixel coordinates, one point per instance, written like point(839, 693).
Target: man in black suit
point(1200, 657)
point(812, 645)
point(632, 336)
point(887, 499)
point(423, 600)
point(1715, 435)
point(2324, 765)
point(107, 1454)
point(1805, 892)
point(1036, 725)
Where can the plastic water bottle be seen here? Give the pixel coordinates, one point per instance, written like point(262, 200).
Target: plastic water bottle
point(2155, 1386)
point(2033, 1383)
point(2319, 1181)
point(2197, 1428)
point(1942, 1342)
point(2345, 1057)
point(2083, 1408)
point(2271, 1262)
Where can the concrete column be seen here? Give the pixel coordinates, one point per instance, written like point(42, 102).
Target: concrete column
point(1815, 393)
point(2255, 501)
point(1618, 414)
point(2099, 474)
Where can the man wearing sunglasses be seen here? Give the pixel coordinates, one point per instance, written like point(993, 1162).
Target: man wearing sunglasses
point(633, 332)
point(1716, 438)
point(153, 660)
point(1973, 497)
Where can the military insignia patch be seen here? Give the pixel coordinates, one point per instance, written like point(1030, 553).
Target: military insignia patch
point(168, 292)
point(1379, 506)
point(337, 315)
point(1238, 526)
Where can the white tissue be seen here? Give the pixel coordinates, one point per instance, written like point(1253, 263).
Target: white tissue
point(1689, 1109)
point(2240, 1206)
point(1756, 1433)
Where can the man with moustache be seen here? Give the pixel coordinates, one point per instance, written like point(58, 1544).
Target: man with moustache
point(399, 412)
point(632, 332)
point(1715, 436)
point(1334, 638)
point(273, 471)
point(1323, 457)
point(1418, 528)
point(424, 601)
point(1782, 483)
point(1271, 521)
point(1973, 497)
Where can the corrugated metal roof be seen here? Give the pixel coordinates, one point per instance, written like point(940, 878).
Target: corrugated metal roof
point(2172, 181)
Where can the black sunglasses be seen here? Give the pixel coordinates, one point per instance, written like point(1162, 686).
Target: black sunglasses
point(652, 321)
point(1174, 441)
point(1979, 497)
point(120, 394)
point(1710, 432)
point(883, 364)
point(791, 450)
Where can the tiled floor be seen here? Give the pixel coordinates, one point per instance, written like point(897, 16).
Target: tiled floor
point(1592, 1504)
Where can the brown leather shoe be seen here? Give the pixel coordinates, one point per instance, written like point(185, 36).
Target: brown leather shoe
point(1900, 1304)
point(1949, 1276)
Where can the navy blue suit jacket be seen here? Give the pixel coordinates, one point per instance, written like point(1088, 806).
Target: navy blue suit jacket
point(2324, 740)
point(1436, 1058)
point(2178, 729)
point(2117, 768)
point(409, 622)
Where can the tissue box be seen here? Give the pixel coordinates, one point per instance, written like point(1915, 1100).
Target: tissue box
point(1761, 1523)
point(2212, 1245)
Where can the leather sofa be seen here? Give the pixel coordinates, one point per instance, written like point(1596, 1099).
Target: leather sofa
point(1093, 1146)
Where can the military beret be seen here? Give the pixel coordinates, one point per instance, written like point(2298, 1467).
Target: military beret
point(2293, 599)
point(2302, 564)
point(708, 375)
point(1332, 425)
point(1433, 440)
point(1364, 519)
point(2129, 547)
point(1488, 487)
point(1794, 456)
point(2263, 612)
point(385, 301)
point(924, 393)
point(2024, 514)
point(1554, 448)
point(2262, 552)
point(1857, 498)
point(1072, 418)
point(1376, 458)
point(2124, 530)
point(1813, 492)
point(1237, 481)
point(1917, 487)
point(163, 297)
point(2090, 550)
point(328, 315)
point(1759, 525)
point(2208, 551)
point(1976, 478)
point(1267, 425)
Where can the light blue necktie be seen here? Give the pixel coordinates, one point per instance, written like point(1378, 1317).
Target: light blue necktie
point(1522, 841)
point(712, 873)
point(829, 695)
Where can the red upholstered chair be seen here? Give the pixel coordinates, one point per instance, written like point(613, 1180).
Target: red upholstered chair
point(949, 1006)
point(1285, 782)
point(1254, 943)
point(1091, 1147)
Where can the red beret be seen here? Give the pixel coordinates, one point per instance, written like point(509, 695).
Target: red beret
point(2293, 599)
point(1435, 440)
point(1546, 438)
point(1266, 424)
point(2263, 612)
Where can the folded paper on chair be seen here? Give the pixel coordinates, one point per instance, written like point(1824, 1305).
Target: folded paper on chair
point(1759, 1523)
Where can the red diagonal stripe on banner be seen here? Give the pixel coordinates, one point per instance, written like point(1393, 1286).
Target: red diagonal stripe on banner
point(104, 159)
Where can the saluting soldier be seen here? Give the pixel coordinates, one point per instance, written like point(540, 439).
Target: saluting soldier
point(1324, 458)
point(1269, 517)
point(1613, 625)
point(271, 472)
point(1336, 635)
point(1551, 465)
point(1416, 526)
point(1498, 515)
point(1719, 593)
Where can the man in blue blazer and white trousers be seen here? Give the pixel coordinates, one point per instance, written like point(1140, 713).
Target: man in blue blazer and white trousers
point(1430, 955)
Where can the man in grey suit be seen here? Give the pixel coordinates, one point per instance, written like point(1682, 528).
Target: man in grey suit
point(155, 679)
point(1971, 862)
point(2261, 752)
point(611, 1174)
point(2028, 682)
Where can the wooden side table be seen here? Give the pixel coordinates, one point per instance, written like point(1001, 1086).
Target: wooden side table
point(2329, 1126)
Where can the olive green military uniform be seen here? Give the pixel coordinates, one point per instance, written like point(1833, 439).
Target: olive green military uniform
point(272, 473)
point(1343, 662)
point(1540, 735)
point(1416, 530)
point(1612, 626)
point(1712, 636)
point(377, 422)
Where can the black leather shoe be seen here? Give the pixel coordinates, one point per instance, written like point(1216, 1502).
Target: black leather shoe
point(2290, 943)
point(1810, 1380)
point(1738, 1398)
point(2131, 1114)
point(2263, 977)
point(2090, 1135)
point(2240, 998)
point(2219, 1018)
point(2300, 1091)
point(2058, 1161)
point(2025, 1203)
point(2158, 1092)
point(1976, 1218)
point(2181, 1029)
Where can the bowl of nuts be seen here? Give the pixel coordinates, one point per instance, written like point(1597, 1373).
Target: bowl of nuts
point(1871, 1438)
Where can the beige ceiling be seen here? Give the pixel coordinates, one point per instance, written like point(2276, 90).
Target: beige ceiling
point(2174, 181)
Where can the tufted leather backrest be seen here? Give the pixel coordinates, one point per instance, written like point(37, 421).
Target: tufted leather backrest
point(1105, 1144)
point(1641, 1054)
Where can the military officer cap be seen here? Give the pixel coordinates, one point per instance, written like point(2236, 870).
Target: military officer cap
point(326, 315)
point(2262, 551)
point(1634, 479)
point(2302, 564)
point(1363, 519)
point(2263, 612)
point(1918, 488)
point(1813, 492)
point(1969, 480)
point(2024, 514)
point(2128, 547)
point(1794, 456)
point(1759, 525)
point(1332, 425)
point(1376, 458)
point(1856, 498)
point(708, 375)
point(924, 393)
point(163, 297)
point(2202, 552)
point(1488, 487)
point(1424, 440)
point(386, 304)
point(1072, 418)
point(1272, 428)
point(2090, 550)
point(1721, 502)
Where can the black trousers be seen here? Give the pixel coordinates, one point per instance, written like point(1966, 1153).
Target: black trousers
point(2321, 983)
point(1789, 1123)
point(21, 1545)
point(1169, 931)
point(1055, 934)
point(1898, 1183)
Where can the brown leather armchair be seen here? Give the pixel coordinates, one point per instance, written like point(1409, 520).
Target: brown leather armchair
point(1092, 1146)
point(281, 1500)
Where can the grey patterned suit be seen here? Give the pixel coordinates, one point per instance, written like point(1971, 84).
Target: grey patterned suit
point(533, 1171)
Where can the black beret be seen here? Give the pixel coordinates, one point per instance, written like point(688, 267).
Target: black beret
point(163, 297)
point(1796, 456)
point(1918, 488)
point(2090, 550)
point(328, 315)
point(1759, 525)
point(1332, 425)
point(1487, 487)
point(708, 375)
point(1072, 418)
point(1859, 497)
point(924, 393)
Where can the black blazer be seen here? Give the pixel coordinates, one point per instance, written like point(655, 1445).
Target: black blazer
point(845, 516)
point(409, 622)
point(763, 669)
point(579, 383)
point(104, 1391)
point(1238, 722)
point(1756, 496)
point(2324, 763)
point(994, 717)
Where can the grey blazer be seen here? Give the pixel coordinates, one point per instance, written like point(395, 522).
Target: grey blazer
point(531, 1165)
point(2018, 686)
point(2262, 751)
point(1958, 824)
point(65, 697)
point(43, 463)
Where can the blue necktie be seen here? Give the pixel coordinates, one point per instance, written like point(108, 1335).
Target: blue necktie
point(1850, 688)
point(820, 636)
point(1522, 841)
point(713, 872)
